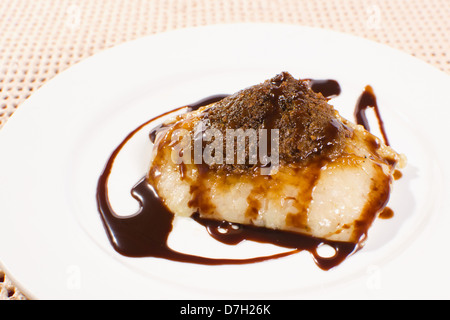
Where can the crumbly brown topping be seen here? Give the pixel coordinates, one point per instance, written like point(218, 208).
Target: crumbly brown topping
point(308, 126)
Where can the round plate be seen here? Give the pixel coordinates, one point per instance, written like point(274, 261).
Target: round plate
point(56, 144)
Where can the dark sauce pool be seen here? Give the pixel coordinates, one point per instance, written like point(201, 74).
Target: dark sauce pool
point(145, 233)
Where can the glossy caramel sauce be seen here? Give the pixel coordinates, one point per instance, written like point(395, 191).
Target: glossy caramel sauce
point(398, 174)
point(387, 213)
point(145, 233)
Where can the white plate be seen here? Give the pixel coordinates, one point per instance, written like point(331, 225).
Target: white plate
point(53, 149)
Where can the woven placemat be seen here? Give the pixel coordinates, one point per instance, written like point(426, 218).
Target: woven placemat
point(40, 38)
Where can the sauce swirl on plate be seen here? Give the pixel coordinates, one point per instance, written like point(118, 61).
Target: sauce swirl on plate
point(145, 233)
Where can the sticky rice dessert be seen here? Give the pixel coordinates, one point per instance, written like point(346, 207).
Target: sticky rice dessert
point(275, 155)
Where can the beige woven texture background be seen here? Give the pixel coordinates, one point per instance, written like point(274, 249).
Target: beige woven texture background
point(40, 38)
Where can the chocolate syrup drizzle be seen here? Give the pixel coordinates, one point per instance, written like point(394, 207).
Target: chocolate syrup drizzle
point(145, 233)
point(368, 100)
point(328, 88)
